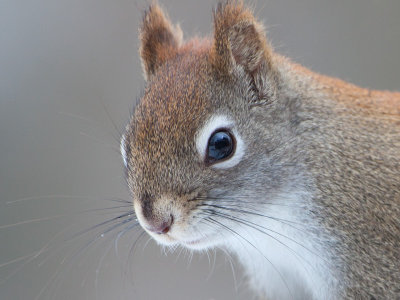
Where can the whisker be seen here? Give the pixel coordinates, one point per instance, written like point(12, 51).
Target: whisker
point(212, 265)
point(98, 140)
point(179, 254)
point(121, 234)
point(118, 138)
point(36, 254)
point(283, 221)
point(254, 226)
point(284, 236)
point(236, 198)
point(95, 123)
point(32, 256)
point(127, 214)
point(44, 249)
point(47, 284)
point(71, 115)
point(36, 220)
point(230, 259)
point(103, 234)
point(96, 281)
point(32, 221)
point(132, 250)
point(209, 260)
point(50, 197)
point(121, 201)
point(84, 233)
point(252, 245)
point(190, 253)
point(18, 259)
point(79, 252)
point(147, 242)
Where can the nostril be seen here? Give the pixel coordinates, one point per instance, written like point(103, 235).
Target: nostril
point(162, 228)
point(165, 230)
point(166, 226)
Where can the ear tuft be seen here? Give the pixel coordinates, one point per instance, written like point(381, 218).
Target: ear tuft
point(239, 40)
point(159, 39)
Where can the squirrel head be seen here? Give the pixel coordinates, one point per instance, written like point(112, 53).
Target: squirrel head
point(196, 137)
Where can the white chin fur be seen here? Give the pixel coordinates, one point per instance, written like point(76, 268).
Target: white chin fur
point(201, 243)
point(283, 261)
point(204, 133)
point(195, 244)
point(164, 240)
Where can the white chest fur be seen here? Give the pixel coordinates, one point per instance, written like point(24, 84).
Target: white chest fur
point(284, 255)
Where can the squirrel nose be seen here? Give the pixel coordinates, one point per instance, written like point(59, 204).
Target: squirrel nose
point(160, 227)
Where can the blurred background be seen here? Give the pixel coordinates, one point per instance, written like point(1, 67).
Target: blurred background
point(69, 77)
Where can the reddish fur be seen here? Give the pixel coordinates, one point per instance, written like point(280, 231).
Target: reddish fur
point(350, 147)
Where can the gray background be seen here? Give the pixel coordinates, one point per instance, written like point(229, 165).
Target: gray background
point(69, 66)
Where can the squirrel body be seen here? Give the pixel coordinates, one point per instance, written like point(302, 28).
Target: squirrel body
point(309, 196)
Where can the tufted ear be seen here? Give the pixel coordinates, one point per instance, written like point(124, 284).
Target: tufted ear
point(159, 40)
point(240, 42)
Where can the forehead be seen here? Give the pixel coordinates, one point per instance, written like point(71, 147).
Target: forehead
point(179, 87)
point(175, 103)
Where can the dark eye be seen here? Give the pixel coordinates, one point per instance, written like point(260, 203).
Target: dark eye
point(221, 145)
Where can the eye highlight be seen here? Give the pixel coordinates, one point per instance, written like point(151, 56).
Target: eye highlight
point(221, 146)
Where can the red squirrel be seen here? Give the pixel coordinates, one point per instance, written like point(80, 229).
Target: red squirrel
point(235, 146)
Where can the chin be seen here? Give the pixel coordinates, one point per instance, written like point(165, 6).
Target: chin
point(201, 243)
point(198, 246)
point(164, 240)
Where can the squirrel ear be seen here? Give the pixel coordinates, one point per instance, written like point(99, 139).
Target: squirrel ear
point(239, 40)
point(159, 40)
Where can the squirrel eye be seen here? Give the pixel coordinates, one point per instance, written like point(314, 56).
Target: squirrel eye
point(221, 146)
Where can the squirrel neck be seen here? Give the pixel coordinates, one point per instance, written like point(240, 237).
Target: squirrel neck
point(350, 140)
point(335, 92)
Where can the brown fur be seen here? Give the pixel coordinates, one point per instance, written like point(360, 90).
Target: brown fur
point(345, 138)
point(160, 40)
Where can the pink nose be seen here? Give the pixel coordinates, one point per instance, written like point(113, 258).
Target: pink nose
point(160, 227)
